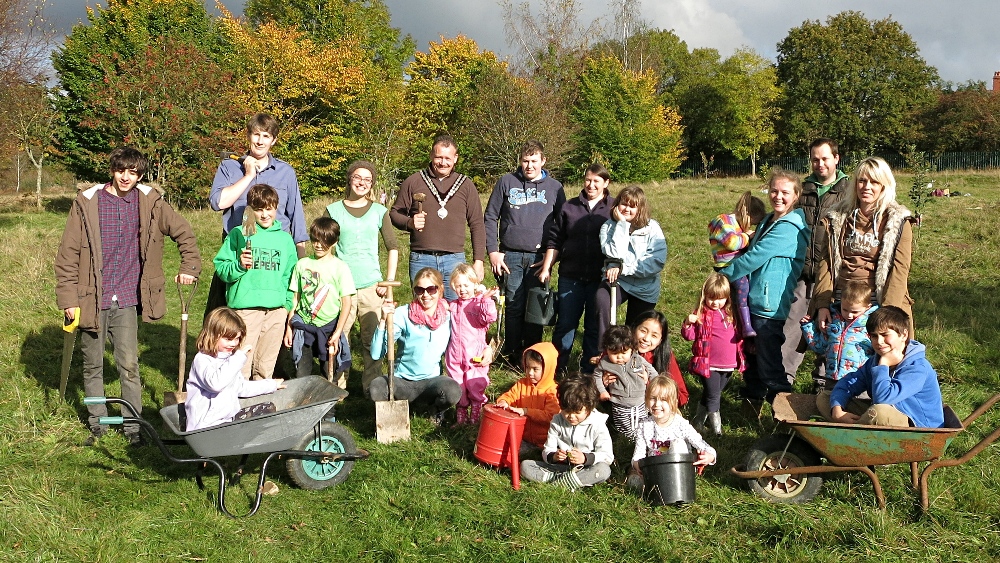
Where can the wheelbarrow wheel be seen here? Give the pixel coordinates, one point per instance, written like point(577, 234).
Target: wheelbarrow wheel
point(315, 474)
point(769, 454)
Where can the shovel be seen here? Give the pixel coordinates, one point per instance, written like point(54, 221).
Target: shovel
point(614, 288)
point(179, 396)
point(392, 417)
point(69, 342)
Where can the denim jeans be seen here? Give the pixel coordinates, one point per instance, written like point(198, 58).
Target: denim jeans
point(518, 334)
point(765, 375)
point(122, 326)
point(575, 296)
point(444, 264)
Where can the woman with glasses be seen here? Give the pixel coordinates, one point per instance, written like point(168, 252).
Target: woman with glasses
point(421, 331)
point(362, 221)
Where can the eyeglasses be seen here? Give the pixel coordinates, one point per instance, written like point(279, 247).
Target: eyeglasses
point(361, 180)
point(430, 290)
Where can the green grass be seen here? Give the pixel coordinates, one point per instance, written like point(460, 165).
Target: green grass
point(428, 499)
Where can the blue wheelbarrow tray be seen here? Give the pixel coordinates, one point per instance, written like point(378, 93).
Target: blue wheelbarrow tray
point(299, 407)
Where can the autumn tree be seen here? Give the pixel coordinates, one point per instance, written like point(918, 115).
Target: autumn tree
point(312, 90)
point(441, 88)
point(856, 80)
point(167, 111)
point(622, 122)
point(967, 119)
point(367, 22)
point(25, 42)
point(550, 41)
point(730, 106)
point(32, 121)
point(115, 45)
point(503, 112)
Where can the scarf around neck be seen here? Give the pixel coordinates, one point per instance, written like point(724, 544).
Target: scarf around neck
point(420, 317)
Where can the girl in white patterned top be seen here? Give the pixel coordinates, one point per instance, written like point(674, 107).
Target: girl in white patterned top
point(665, 428)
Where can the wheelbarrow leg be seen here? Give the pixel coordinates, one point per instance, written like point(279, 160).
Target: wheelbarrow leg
point(914, 473)
point(876, 485)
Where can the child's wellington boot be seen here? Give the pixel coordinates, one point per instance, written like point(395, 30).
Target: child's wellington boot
point(461, 416)
point(715, 423)
point(698, 420)
point(477, 413)
point(748, 331)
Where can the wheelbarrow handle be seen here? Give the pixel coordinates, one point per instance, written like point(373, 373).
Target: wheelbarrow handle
point(982, 409)
point(95, 400)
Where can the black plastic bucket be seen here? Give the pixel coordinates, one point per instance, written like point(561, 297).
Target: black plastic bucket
point(668, 478)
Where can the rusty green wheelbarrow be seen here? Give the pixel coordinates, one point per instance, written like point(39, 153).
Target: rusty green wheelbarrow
point(788, 468)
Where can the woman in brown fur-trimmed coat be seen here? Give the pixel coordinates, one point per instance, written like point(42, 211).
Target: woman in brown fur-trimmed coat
point(870, 238)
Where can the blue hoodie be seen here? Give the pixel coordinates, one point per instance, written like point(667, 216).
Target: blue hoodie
point(912, 387)
point(773, 261)
point(521, 211)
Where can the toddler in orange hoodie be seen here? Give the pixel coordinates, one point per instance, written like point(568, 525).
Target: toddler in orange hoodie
point(534, 395)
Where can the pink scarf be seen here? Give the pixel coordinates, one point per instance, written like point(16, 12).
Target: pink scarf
point(420, 317)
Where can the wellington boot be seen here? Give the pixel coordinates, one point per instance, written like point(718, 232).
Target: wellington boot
point(698, 421)
point(748, 331)
point(715, 423)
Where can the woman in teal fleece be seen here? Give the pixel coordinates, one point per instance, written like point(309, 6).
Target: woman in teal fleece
point(773, 261)
point(421, 331)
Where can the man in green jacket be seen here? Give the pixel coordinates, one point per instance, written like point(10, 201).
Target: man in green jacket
point(821, 191)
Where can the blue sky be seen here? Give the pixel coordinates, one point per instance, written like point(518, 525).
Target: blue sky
point(959, 38)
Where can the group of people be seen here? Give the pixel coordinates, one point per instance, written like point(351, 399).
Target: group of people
point(827, 268)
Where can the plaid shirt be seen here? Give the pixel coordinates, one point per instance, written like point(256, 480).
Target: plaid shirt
point(119, 220)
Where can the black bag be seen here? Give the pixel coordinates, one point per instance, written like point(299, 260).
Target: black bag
point(542, 306)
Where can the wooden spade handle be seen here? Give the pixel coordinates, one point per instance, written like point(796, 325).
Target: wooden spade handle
point(390, 336)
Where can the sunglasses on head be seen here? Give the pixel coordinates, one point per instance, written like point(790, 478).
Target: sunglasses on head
point(430, 290)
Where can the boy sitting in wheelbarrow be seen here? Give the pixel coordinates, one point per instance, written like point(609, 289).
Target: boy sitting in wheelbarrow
point(902, 384)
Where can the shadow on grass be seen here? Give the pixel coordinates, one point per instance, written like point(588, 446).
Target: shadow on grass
point(61, 204)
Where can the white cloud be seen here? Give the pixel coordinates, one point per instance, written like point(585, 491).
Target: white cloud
point(958, 38)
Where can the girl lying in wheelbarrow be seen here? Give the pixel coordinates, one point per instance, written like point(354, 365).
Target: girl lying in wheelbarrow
point(902, 384)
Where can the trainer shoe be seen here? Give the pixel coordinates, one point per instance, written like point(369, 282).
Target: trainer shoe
point(135, 439)
point(568, 480)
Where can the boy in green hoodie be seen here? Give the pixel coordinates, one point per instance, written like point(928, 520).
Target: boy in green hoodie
point(256, 262)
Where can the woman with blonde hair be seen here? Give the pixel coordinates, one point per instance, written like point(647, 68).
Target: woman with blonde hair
point(870, 239)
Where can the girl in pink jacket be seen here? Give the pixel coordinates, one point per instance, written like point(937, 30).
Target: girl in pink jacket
point(468, 357)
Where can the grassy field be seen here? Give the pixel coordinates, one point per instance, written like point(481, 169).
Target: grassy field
point(428, 499)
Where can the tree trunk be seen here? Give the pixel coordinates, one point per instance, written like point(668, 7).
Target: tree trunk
point(38, 177)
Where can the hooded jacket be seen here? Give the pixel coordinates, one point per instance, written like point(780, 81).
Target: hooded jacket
point(521, 211)
point(629, 390)
point(539, 402)
point(892, 269)
point(912, 387)
point(591, 437)
point(78, 262)
point(773, 261)
point(845, 345)
point(642, 253)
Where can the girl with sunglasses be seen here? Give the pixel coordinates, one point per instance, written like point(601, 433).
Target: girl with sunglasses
point(421, 332)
